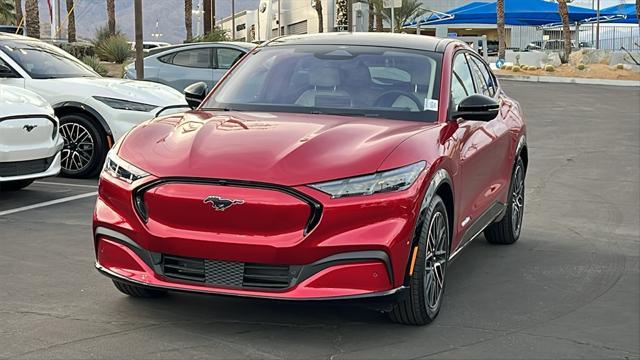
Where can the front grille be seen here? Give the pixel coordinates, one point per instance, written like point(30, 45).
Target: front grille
point(19, 168)
point(227, 273)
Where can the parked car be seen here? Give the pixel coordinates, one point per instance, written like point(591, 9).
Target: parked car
point(323, 167)
point(101, 110)
point(184, 65)
point(149, 45)
point(492, 46)
point(11, 29)
point(30, 144)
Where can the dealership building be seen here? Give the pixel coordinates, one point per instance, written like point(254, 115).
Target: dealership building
point(300, 17)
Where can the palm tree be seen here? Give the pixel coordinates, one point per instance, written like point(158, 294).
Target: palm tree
point(342, 13)
point(638, 11)
point(6, 11)
point(378, 12)
point(371, 16)
point(317, 4)
point(502, 41)
point(111, 17)
point(409, 11)
point(563, 9)
point(18, 8)
point(33, 18)
point(188, 9)
point(71, 25)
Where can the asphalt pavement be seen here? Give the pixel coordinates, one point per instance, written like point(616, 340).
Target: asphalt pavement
point(569, 288)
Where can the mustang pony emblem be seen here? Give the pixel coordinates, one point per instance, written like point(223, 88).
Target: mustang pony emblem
point(29, 128)
point(220, 204)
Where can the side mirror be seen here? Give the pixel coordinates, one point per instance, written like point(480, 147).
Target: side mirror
point(195, 94)
point(6, 71)
point(477, 108)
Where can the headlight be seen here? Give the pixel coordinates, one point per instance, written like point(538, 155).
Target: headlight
point(125, 104)
point(120, 169)
point(385, 181)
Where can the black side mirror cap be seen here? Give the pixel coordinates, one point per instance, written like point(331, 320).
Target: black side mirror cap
point(195, 94)
point(477, 108)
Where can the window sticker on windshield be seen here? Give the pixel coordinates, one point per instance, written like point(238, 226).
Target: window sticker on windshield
point(430, 105)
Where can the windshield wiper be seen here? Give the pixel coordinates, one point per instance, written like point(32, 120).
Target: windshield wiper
point(317, 112)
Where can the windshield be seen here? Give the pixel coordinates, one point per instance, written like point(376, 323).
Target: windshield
point(44, 61)
point(334, 79)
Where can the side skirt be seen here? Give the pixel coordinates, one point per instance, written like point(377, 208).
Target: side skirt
point(487, 218)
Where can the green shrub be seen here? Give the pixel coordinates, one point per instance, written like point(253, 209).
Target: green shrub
point(114, 49)
point(95, 64)
point(620, 66)
point(550, 68)
point(516, 69)
point(217, 34)
point(102, 34)
point(581, 66)
point(78, 49)
point(508, 67)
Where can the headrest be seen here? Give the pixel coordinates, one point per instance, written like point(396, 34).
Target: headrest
point(325, 77)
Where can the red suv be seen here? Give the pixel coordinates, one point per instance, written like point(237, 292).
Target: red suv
point(322, 167)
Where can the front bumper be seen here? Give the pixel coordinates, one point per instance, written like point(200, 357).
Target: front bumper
point(356, 250)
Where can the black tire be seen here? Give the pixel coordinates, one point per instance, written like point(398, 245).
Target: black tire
point(507, 230)
point(84, 141)
point(15, 185)
point(138, 291)
point(416, 306)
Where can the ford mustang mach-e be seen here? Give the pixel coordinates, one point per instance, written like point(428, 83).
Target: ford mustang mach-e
point(30, 144)
point(321, 167)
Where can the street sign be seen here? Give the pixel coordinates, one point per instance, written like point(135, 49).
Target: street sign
point(388, 4)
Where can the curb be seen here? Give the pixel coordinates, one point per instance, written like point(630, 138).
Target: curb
point(569, 80)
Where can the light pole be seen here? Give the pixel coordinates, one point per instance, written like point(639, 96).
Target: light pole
point(233, 20)
point(598, 26)
point(137, 9)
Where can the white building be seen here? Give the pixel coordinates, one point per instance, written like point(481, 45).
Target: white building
point(300, 17)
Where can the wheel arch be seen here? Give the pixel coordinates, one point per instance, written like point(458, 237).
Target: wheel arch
point(73, 107)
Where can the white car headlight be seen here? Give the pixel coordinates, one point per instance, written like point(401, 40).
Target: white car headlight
point(125, 104)
point(385, 181)
point(120, 169)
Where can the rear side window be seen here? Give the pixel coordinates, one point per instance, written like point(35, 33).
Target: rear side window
point(227, 57)
point(482, 77)
point(461, 80)
point(195, 58)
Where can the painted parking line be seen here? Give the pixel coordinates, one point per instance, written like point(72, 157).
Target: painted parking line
point(48, 203)
point(66, 184)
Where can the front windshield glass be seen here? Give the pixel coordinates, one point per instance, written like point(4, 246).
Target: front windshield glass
point(334, 79)
point(44, 61)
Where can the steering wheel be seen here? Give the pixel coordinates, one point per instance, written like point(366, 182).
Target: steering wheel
point(388, 98)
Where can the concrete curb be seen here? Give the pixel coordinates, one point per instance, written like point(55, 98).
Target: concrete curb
point(569, 80)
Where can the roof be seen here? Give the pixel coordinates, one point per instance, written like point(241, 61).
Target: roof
point(628, 10)
point(405, 41)
point(516, 12)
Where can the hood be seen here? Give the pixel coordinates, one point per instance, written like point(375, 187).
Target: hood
point(281, 148)
point(138, 91)
point(18, 101)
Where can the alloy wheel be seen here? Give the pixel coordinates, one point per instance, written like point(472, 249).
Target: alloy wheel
point(517, 200)
point(78, 150)
point(436, 260)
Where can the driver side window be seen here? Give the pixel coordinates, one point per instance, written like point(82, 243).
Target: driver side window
point(6, 71)
point(461, 80)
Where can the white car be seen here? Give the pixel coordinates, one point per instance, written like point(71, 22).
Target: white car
point(30, 144)
point(88, 106)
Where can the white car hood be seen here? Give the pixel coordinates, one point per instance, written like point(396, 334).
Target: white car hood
point(132, 90)
point(18, 101)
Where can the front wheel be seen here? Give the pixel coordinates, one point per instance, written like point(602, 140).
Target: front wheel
point(421, 304)
point(507, 231)
point(85, 146)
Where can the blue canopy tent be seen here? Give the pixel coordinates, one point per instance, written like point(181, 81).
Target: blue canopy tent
point(627, 10)
point(517, 12)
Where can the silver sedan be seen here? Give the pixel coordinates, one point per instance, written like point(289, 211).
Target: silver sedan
point(182, 65)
